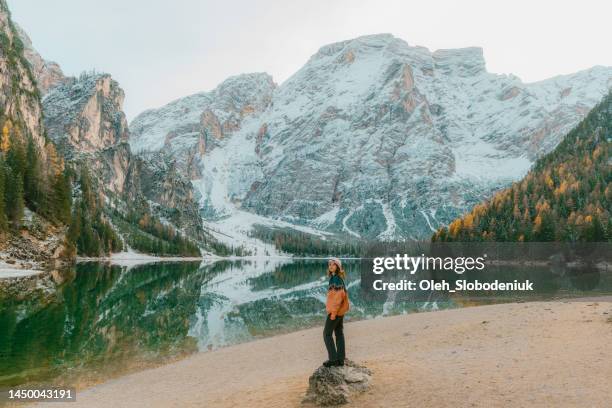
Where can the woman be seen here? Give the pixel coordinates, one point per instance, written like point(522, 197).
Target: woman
point(337, 305)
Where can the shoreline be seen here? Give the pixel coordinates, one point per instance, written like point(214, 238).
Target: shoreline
point(515, 354)
point(17, 271)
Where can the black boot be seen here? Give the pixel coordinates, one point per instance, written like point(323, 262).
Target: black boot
point(338, 363)
point(328, 363)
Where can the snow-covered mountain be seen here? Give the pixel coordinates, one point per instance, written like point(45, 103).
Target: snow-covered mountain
point(372, 137)
point(185, 128)
point(84, 118)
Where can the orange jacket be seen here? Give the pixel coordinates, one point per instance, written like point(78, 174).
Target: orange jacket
point(337, 298)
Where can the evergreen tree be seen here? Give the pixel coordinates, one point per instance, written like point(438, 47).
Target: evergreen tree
point(16, 159)
point(566, 196)
point(594, 230)
point(3, 219)
point(14, 202)
point(62, 197)
point(89, 231)
point(32, 177)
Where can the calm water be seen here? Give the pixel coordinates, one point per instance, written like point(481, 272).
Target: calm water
point(97, 321)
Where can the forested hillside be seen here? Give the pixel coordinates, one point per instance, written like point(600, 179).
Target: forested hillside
point(28, 180)
point(55, 203)
point(567, 196)
point(32, 174)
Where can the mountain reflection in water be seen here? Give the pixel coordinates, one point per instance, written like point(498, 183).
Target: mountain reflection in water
point(97, 320)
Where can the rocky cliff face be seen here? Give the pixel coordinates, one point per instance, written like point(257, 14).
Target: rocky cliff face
point(168, 191)
point(372, 137)
point(187, 128)
point(172, 141)
point(48, 74)
point(84, 118)
point(37, 243)
point(19, 98)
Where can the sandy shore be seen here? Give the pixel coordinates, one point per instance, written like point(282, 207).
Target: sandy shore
point(515, 355)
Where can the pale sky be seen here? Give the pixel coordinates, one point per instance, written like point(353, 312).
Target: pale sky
point(161, 50)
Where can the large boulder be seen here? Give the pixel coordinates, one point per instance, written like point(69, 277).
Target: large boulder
point(336, 385)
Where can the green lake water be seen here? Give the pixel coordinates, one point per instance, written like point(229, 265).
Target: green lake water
point(97, 321)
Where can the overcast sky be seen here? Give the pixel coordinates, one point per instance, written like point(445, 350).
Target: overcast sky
point(161, 50)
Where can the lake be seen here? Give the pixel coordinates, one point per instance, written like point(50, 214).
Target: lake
point(96, 321)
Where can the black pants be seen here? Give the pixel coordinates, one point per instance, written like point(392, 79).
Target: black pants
point(335, 352)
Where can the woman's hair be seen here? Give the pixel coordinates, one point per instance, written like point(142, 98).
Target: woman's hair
point(339, 271)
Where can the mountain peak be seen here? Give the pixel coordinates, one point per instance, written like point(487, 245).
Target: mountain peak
point(85, 114)
point(376, 41)
point(460, 61)
point(246, 82)
point(470, 60)
point(249, 76)
point(219, 112)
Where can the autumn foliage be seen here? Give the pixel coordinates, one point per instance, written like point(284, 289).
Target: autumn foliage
point(567, 196)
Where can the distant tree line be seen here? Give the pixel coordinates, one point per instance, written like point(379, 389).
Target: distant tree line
point(567, 196)
point(222, 249)
point(304, 244)
point(153, 236)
